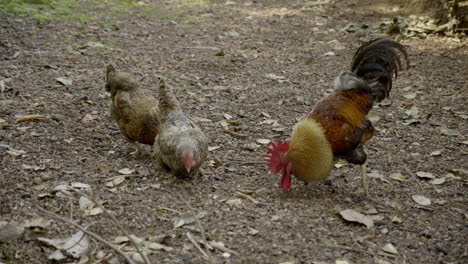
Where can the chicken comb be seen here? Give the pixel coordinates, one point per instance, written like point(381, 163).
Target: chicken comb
point(276, 155)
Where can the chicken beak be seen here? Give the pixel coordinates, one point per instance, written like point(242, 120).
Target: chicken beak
point(188, 169)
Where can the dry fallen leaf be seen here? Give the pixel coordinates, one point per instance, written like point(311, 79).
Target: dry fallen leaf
point(157, 246)
point(93, 211)
point(213, 148)
point(121, 239)
point(126, 171)
point(263, 141)
point(341, 261)
point(410, 96)
point(38, 221)
point(437, 181)
point(15, 152)
point(389, 248)
point(115, 181)
point(421, 200)
point(227, 116)
point(186, 219)
point(449, 131)
point(76, 245)
point(57, 255)
point(85, 203)
point(354, 216)
point(23, 118)
point(340, 164)
point(427, 175)
point(64, 81)
point(79, 185)
point(397, 177)
point(2, 86)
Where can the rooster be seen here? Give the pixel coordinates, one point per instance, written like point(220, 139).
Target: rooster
point(180, 146)
point(337, 127)
point(135, 110)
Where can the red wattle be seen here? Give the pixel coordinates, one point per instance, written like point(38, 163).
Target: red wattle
point(285, 183)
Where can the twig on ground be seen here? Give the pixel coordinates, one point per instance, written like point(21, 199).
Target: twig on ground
point(224, 249)
point(202, 47)
point(347, 248)
point(246, 196)
point(84, 230)
point(190, 238)
point(243, 162)
point(202, 230)
point(117, 223)
point(169, 209)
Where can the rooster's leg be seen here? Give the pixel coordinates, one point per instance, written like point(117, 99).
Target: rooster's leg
point(364, 179)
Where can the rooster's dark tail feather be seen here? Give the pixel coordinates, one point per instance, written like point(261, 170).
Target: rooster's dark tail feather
point(376, 62)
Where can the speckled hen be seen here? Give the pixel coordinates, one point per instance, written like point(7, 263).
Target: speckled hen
point(181, 146)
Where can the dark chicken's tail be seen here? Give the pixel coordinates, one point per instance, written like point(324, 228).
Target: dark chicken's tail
point(167, 101)
point(374, 65)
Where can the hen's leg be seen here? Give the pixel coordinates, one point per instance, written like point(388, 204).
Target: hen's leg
point(364, 179)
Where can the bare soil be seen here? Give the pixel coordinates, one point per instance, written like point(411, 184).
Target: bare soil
point(273, 70)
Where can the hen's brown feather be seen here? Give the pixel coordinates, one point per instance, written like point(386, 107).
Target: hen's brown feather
point(134, 109)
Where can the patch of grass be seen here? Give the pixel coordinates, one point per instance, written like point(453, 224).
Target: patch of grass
point(44, 10)
point(199, 2)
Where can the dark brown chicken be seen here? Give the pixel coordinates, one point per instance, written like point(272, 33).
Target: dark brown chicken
point(135, 110)
point(180, 146)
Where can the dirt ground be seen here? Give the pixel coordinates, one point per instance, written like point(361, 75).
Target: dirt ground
point(279, 58)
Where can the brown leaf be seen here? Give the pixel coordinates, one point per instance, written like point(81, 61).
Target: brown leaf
point(29, 117)
point(354, 216)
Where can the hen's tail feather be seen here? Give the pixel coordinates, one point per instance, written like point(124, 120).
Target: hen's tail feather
point(167, 101)
point(377, 62)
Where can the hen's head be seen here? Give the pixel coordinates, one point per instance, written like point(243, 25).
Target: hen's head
point(277, 161)
point(116, 80)
point(187, 159)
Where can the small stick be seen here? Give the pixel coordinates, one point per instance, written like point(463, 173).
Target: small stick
point(246, 196)
point(84, 230)
point(224, 249)
point(202, 230)
point(347, 248)
point(189, 236)
point(252, 162)
point(201, 47)
point(168, 209)
point(135, 244)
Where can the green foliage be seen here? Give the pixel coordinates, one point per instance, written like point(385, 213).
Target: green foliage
point(199, 2)
point(44, 10)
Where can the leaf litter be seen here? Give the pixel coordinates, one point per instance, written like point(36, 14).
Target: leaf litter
point(354, 216)
point(75, 245)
